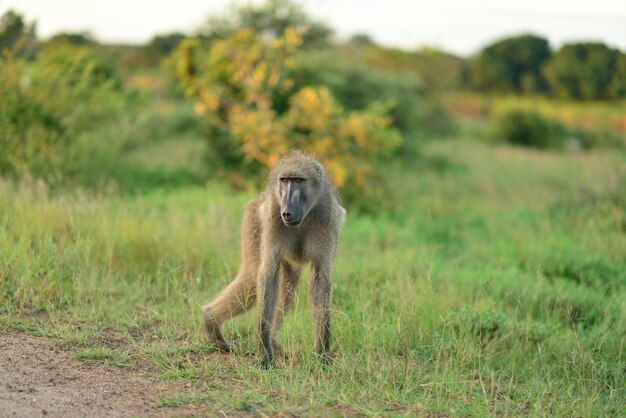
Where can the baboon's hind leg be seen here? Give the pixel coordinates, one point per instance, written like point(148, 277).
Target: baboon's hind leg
point(238, 297)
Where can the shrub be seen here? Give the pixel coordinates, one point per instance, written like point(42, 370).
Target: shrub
point(48, 103)
point(528, 129)
point(491, 324)
point(356, 86)
point(576, 305)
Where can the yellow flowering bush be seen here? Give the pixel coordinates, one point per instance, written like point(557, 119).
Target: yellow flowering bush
point(244, 85)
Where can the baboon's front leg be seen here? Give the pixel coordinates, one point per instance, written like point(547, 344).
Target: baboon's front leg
point(268, 286)
point(321, 294)
point(289, 275)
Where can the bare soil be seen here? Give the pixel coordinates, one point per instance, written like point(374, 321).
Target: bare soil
point(39, 378)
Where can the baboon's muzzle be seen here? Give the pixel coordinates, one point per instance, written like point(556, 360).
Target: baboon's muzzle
point(291, 206)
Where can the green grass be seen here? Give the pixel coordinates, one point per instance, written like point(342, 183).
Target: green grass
point(104, 355)
point(495, 285)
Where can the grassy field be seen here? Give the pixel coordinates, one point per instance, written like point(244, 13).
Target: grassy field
point(496, 285)
point(597, 124)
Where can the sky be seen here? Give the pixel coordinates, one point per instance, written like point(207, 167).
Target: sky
point(458, 26)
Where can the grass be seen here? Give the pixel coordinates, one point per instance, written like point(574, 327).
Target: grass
point(104, 355)
point(495, 285)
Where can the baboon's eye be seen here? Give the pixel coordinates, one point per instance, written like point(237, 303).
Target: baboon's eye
point(298, 180)
point(284, 180)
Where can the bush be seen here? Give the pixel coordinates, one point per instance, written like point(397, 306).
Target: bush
point(356, 85)
point(258, 113)
point(48, 103)
point(528, 129)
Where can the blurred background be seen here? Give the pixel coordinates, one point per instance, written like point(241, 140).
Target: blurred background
point(142, 95)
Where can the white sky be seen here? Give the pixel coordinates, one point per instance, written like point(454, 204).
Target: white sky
point(458, 26)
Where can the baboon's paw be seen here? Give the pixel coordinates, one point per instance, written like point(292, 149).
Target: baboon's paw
point(222, 347)
point(264, 362)
point(326, 359)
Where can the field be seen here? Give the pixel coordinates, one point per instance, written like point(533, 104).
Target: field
point(593, 123)
point(495, 284)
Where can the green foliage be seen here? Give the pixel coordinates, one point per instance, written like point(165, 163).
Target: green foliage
point(525, 64)
point(356, 86)
point(71, 38)
point(618, 84)
point(528, 129)
point(48, 103)
point(163, 45)
point(16, 34)
point(511, 65)
point(361, 40)
point(155, 51)
point(587, 71)
point(437, 69)
point(269, 19)
point(12, 29)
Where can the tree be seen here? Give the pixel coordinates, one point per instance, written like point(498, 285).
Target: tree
point(270, 20)
point(511, 65)
point(587, 71)
point(72, 38)
point(618, 85)
point(361, 39)
point(158, 48)
point(14, 32)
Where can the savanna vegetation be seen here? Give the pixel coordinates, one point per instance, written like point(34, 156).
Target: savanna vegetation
point(482, 267)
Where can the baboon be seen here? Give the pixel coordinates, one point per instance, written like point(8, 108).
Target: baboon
point(295, 220)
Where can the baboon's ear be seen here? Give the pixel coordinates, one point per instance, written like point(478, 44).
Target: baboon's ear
point(319, 169)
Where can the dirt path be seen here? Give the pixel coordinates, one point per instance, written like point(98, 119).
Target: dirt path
point(38, 378)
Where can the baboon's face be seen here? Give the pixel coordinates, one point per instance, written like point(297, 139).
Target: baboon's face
point(295, 199)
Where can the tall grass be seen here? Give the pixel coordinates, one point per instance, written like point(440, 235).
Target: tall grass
point(495, 285)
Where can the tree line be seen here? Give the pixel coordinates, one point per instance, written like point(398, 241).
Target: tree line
point(524, 64)
point(527, 65)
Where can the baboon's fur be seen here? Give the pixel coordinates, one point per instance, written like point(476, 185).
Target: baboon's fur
point(273, 254)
